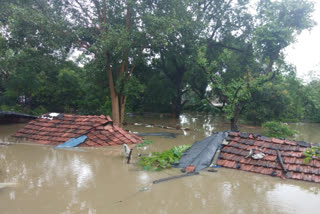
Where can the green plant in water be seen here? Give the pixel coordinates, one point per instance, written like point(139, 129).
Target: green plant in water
point(277, 129)
point(145, 143)
point(158, 161)
point(310, 153)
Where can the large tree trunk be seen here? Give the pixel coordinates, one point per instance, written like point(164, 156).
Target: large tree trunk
point(234, 119)
point(113, 95)
point(118, 100)
point(177, 80)
point(177, 106)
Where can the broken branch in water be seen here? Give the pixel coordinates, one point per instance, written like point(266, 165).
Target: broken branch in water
point(174, 177)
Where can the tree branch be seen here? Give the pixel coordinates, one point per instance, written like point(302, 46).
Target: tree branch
point(104, 12)
point(199, 95)
point(207, 72)
point(215, 30)
point(184, 102)
point(131, 71)
point(236, 94)
point(85, 11)
point(98, 6)
point(228, 47)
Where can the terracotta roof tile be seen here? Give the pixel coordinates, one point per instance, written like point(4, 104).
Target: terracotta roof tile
point(266, 139)
point(245, 167)
point(236, 139)
point(234, 155)
point(270, 157)
point(316, 178)
point(234, 134)
point(275, 140)
point(259, 143)
point(290, 160)
point(99, 130)
point(316, 163)
point(266, 171)
point(43, 141)
point(220, 162)
point(307, 177)
point(293, 143)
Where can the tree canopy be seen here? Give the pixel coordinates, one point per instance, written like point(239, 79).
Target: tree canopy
point(154, 55)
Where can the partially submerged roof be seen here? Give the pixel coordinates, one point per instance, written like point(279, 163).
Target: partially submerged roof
point(234, 155)
point(55, 129)
point(9, 117)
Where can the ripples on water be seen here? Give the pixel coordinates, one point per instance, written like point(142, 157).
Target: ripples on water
point(98, 180)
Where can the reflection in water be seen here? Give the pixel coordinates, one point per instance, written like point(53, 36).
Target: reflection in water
point(99, 180)
point(184, 120)
point(144, 178)
point(293, 199)
point(82, 171)
point(307, 131)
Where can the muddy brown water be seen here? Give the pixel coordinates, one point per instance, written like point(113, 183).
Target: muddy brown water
point(98, 180)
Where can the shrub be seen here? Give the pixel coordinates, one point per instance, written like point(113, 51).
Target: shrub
point(277, 129)
point(165, 159)
point(312, 152)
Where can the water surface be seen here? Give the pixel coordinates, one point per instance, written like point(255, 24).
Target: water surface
point(98, 180)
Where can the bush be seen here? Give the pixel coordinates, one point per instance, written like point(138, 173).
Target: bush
point(312, 152)
point(159, 161)
point(277, 129)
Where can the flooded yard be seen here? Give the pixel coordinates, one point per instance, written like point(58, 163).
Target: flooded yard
point(98, 180)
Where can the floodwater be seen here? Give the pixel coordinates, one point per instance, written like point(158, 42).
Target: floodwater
point(98, 180)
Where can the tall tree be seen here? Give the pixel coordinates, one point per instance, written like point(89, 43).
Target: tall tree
point(31, 44)
point(250, 46)
point(176, 36)
point(112, 33)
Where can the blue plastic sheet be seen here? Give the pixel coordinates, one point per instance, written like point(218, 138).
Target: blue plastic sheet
point(72, 142)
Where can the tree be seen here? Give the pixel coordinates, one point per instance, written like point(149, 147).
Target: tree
point(111, 32)
point(248, 48)
point(176, 36)
point(32, 47)
point(312, 100)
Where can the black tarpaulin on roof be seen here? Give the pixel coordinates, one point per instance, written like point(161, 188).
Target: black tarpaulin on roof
point(200, 154)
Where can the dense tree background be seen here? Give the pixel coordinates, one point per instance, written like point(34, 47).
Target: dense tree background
point(155, 56)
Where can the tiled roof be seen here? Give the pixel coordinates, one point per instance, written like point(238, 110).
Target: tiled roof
point(100, 130)
point(234, 155)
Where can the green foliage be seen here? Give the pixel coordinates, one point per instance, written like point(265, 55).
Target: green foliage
point(242, 63)
point(39, 110)
point(277, 129)
point(176, 49)
point(144, 143)
point(312, 100)
point(281, 99)
point(7, 108)
point(310, 153)
point(165, 159)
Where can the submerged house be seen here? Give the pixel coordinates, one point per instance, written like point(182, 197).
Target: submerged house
point(55, 129)
point(14, 117)
point(236, 155)
point(253, 153)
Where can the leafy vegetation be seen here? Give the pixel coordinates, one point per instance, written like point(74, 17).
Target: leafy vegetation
point(310, 153)
point(158, 161)
point(108, 57)
point(277, 129)
point(144, 143)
